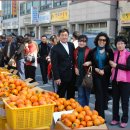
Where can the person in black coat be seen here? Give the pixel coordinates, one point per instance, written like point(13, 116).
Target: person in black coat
point(99, 58)
point(9, 50)
point(62, 59)
point(44, 49)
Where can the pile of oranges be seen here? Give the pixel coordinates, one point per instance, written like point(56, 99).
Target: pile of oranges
point(63, 105)
point(11, 85)
point(82, 117)
point(29, 98)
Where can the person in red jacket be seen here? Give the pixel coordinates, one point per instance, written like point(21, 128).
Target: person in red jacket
point(80, 56)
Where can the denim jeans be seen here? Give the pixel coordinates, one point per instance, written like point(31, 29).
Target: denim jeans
point(83, 95)
point(20, 67)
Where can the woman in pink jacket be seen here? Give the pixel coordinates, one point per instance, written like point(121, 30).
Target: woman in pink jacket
point(120, 81)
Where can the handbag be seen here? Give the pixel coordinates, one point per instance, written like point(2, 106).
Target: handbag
point(12, 62)
point(88, 80)
point(30, 58)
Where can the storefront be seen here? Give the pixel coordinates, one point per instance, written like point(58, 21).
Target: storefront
point(10, 26)
point(125, 26)
point(59, 19)
point(44, 24)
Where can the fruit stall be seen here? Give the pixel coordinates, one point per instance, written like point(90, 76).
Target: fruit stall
point(23, 106)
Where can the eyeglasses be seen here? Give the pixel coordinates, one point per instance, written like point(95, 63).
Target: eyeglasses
point(82, 41)
point(104, 40)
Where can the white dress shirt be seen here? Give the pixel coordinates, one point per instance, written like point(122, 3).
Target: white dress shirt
point(8, 51)
point(65, 45)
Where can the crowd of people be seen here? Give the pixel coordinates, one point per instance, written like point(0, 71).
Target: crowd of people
point(67, 63)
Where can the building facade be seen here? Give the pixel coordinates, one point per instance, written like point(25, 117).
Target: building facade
point(10, 19)
point(124, 19)
point(83, 16)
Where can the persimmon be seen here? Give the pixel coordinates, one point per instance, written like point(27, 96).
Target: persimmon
point(12, 86)
point(77, 121)
point(6, 94)
point(75, 113)
point(73, 104)
point(80, 117)
point(97, 122)
point(63, 116)
point(75, 125)
point(87, 118)
point(60, 108)
point(17, 82)
point(34, 98)
point(72, 117)
point(68, 123)
point(35, 104)
point(89, 123)
point(95, 112)
point(19, 88)
point(94, 117)
point(83, 123)
point(13, 98)
point(89, 112)
point(72, 100)
point(67, 103)
point(101, 119)
point(69, 107)
point(14, 91)
point(27, 102)
point(79, 109)
point(19, 101)
point(83, 112)
point(81, 126)
point(86, 108)
point(21, 105)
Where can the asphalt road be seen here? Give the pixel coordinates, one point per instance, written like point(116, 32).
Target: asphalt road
point(108, 113)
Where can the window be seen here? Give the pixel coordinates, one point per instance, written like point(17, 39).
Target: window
point(103, 25)
point(45, 4)
point(29, 5)
point(56, 3)
point(49, 4)
point(63, 2)
point(36, 4)
point(22, 8)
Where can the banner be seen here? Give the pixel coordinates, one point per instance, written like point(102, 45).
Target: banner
point(34, 15)
point(14, 7)
point(125, 18)
point(59, 16)
point(44, 17)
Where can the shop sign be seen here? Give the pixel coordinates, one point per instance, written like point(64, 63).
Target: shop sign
point(125, 18)
point(27, 21)
point(44, 17)
point(14, 7)
point(10, 24)
point(34, 15)
point(59, 16)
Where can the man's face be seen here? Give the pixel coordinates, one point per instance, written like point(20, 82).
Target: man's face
point(63, 37)
point(9, 39)
point(44, 39)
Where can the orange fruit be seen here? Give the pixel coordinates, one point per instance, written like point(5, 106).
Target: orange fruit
point(83, 123)
point(87, 118)
point(72, 117)
point(89, 123)
point(97, 122)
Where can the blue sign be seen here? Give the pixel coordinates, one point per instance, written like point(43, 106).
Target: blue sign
point(34, 15)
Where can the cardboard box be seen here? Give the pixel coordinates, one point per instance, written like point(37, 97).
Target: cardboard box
point(8, 128)
point(60, 126)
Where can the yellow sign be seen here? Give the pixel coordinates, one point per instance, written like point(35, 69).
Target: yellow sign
point(60, 16)
point(14, 7)
point(125, 18)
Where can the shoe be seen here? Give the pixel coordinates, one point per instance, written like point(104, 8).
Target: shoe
point(114, 122)
point(123, 125)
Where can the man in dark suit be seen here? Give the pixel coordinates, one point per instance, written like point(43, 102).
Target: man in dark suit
point(9, 49)
point(63, 65)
